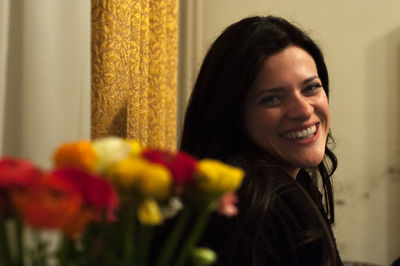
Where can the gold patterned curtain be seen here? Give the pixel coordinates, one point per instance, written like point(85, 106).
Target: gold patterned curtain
point(134, 70)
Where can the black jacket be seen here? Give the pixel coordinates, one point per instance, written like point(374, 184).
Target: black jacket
point(232, 250)
point(236, 251)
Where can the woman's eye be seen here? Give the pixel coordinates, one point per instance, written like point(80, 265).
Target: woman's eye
point(313, 87)
point(270, 100)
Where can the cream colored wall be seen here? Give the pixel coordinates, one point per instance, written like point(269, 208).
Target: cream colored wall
point(45, 76)
point(361, 42)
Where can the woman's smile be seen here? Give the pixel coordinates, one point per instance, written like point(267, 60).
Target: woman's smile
point(301, 134)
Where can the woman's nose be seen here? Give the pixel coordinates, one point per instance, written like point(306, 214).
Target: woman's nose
point(299, 107)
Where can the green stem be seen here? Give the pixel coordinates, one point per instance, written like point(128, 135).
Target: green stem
point(90, 252)
point(194, 235)
point(143, 247)
point(129, 247)
point(67, 251)
point(63, 253)
point(38, 255)
point(5, 257)
point(172, 241)
point(20, 243)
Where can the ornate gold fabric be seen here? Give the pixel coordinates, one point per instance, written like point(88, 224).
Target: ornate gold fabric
point(134, 70)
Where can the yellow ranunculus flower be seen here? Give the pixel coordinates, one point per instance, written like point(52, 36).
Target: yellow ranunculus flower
point(79, 154)
point(111, 150)
point(149, 212)
point(136, 149)
point(155, 181)
point(215, 176)
point(127, 172)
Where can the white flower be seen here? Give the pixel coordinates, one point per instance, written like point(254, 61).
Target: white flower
point(110, 150)
point(173, 207)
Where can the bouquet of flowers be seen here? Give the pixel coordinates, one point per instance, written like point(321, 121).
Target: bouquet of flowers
point(104, 199)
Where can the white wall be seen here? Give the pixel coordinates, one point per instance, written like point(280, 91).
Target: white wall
point(361, 42)
point(45, 71)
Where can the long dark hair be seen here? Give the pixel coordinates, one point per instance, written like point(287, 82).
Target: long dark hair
point(213, 128)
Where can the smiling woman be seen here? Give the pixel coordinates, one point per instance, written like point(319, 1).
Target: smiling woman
point(261, 102)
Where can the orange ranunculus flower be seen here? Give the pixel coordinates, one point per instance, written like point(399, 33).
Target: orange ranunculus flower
point(79, 155)
point(52, 202)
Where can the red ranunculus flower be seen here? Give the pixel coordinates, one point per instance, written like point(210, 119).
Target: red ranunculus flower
point(17, 173)
point(181, 165)
point(14, 174)
point(97, 193)
point(52, 202)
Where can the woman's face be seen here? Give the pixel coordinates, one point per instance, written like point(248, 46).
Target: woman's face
point(287, 112)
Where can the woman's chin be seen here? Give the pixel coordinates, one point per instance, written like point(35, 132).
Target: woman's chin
point(305, 162)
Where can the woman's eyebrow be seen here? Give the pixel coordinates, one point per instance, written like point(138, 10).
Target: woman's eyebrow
point(309, 80)
point(270, 90)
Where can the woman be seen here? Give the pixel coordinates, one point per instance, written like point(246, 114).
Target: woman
point(261, 102)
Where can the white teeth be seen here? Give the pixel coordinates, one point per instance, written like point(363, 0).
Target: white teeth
point(301, 134)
